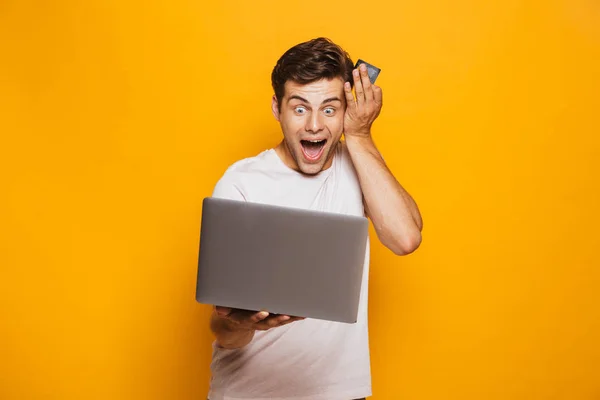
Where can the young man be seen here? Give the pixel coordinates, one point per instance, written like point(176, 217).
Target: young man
point(258, 356)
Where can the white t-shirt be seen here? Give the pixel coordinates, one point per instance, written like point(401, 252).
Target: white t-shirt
point(309, 359)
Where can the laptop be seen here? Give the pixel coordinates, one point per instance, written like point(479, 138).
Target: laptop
point(284, 260)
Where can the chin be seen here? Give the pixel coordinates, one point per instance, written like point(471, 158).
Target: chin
point(310, 169)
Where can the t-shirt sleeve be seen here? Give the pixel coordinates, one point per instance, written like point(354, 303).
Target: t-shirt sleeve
point(226, 188)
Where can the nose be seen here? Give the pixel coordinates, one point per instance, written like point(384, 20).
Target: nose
point(314, 123)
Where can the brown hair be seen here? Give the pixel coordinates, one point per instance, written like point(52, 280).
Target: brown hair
point(309, 62)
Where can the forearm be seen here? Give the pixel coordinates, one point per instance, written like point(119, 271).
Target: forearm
point(392, 210)
point(227, 335)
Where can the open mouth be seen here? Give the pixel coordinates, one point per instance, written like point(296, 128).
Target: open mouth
point(313, 149)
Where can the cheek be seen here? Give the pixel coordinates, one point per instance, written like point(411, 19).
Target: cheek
point(288, 121)
point(336, 124)
point(291, 126)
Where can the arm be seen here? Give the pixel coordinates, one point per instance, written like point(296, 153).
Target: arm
point(392, 210)
point(234, 328)
point(394, 213)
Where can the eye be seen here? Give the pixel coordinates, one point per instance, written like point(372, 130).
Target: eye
point(300, 110)
point(329, 111)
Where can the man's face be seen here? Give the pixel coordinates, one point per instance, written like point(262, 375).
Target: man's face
point(312, 120)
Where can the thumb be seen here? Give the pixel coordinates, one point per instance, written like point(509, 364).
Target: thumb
point(222, 311)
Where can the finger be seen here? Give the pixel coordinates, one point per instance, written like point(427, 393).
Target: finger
point(377, 95)
point(366, 82)
point(241, 316)
point(272, 322)
point(349, 96)
point(223, 311)
point(289, 321)
point(358, 88)
point(278, 320)
point(259, 316)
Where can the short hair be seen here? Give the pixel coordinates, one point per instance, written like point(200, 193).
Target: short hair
point(309, 62)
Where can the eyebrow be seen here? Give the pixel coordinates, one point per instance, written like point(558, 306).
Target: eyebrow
point(328, 100)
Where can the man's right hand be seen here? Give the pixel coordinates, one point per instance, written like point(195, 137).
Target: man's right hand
point(251, 320)
point(235, 328)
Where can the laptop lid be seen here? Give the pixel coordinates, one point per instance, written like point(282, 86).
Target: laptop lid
point(284, 260)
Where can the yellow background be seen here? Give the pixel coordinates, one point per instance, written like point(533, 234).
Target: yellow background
point(118, 117)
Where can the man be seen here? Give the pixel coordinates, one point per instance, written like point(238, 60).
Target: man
point(262, 356)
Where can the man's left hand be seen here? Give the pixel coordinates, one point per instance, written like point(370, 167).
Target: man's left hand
point(362, 111)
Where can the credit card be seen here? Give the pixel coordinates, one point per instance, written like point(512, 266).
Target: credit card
point(372, 70)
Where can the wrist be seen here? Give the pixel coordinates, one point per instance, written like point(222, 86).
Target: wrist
point(358, 135)
point(360, 143)
point(229, 335)
point(234, 340)
point(234, 337)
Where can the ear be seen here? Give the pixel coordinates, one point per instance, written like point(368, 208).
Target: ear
point(275, 107)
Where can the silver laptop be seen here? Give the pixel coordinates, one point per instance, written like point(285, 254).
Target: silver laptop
point(284, 260)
